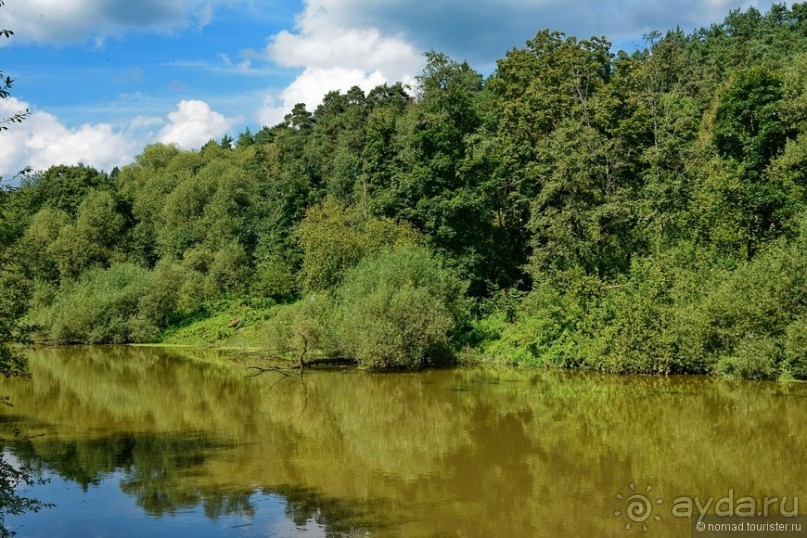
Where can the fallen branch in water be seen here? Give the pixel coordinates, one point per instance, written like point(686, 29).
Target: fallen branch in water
point(287, 371)
point(262, 370)
point(302, 363)
point(325, 361)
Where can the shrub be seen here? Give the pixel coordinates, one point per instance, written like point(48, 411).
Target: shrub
point(125, 303)
point(302, 327)
point(750, 321)
point(399, 309)
point(99, 308)
point(795, 349)
point(161, 303)
point(334, 238)
point(632, 329)
point(228, 271)
point(273, 278)
point(332, 244)
point(754, 358)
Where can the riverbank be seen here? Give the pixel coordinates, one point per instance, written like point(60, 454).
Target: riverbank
point(259, 332)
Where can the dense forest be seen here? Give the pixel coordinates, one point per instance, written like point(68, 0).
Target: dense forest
point(634, 212)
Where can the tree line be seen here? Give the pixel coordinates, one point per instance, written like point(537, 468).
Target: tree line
point(636, 212)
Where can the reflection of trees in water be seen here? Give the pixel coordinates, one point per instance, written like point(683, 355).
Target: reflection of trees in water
point(147, 464)
point(451, 452)
point(165, 474)
point(340, 517)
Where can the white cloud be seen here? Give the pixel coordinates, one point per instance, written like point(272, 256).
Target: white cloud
point(205, 16)
point(42, 140)
point(193, 124)
point(310, 87)
point(324, 45)
point(60, 21)
point(334, 55)
point(145, 122)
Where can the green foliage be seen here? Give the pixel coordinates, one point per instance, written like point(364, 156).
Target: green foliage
point(331, 244)
point(334, 238)
point(273, 278)
point(633, 326)
point(63, 188)
point(399, 309)
point(38, 246)
point(750, 317)
point(100, 308)
point(795, 349)
point(168, 297)
point(748, 124)
point(548, 326)
point(91, 240)
point(304, 329)
point(12, 364)
point(228, 270)
point(622, 212)
point(396, 328)
point(580, 216)
point(753, 358)
point(123, 303)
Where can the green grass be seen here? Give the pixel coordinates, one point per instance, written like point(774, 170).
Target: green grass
point(220, 329)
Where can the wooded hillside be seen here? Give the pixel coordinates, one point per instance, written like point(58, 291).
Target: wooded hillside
point(629, 212)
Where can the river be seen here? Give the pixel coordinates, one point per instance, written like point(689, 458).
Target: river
point(164, 442)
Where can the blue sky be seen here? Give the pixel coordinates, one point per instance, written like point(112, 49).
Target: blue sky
point(103, 78)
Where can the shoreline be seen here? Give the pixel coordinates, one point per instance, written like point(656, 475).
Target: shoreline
point(244, 352)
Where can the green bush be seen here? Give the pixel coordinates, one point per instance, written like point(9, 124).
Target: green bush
point(399, 309)
point(228, 271)
point(631, 330)
point(163, 302)
point(749, 322)
point(273, 278)
point(100, 308)
point(332, 244)
point(795, 349)
point(302, 328)
point(124, 303)
point(542, 334)
point(754, 358)
point(335, 237)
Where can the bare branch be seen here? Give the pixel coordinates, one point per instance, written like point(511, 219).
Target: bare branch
point(261, 370)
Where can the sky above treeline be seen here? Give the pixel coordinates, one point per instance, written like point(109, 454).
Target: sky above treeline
point(103, 78)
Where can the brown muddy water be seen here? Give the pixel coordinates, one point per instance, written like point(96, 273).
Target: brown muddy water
point(156, 442)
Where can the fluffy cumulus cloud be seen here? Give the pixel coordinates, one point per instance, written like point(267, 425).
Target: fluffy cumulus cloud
point(42, 140)
point(193, 124)
point(310, 87)
point(60, 21)
point(324, 41)
point(335, 54)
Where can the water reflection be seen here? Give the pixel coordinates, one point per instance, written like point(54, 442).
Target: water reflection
point(466, 452)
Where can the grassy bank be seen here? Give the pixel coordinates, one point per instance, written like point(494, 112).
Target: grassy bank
point(236, 326)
